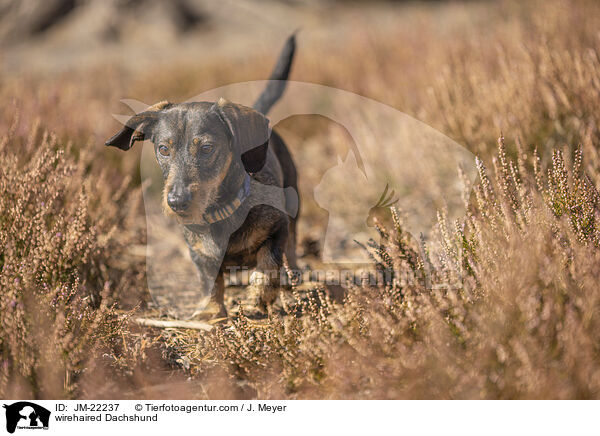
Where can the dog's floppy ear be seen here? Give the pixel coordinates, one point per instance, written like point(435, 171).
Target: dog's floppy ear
point(250, 132)
point(137, 127)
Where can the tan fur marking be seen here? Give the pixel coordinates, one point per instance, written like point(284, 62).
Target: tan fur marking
point(166, 208)
point(198, 246)
point(158, 106)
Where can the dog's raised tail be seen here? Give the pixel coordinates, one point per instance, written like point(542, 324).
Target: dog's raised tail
point(278, 79)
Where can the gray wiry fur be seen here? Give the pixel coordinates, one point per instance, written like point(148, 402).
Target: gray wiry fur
point(279, 76)
point(205, 151)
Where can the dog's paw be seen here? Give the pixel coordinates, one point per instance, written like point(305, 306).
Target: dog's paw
point(263, 291)
point(212, 311)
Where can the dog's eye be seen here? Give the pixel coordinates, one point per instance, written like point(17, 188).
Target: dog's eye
point(164, 150)
point(206, 149)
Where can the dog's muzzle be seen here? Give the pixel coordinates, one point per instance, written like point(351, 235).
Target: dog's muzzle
point(179, 199)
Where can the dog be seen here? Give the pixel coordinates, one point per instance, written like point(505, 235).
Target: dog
point(230, 182)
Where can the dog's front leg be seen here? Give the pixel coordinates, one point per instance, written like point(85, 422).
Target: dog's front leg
point(265, 280)
point(216, 305)
point(215, 308)
point(210, 274)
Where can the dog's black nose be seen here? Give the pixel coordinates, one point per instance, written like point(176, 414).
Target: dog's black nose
point(179, 199)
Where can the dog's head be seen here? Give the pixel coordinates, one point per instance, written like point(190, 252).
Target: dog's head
point(204, 150)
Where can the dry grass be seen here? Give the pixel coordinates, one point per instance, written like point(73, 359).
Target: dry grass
point(523, 324)
point(63, 262)
point(513, 307)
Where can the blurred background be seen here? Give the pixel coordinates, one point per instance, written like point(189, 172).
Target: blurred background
point(58, 35)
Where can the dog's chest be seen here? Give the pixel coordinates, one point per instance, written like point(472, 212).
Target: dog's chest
point(205, 244)
point(248, 239)
point(241, 244)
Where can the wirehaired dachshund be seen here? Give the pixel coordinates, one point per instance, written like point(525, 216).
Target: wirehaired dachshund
point(229, 181)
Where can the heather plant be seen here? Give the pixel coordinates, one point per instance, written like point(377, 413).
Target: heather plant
point(57, 307)
point(510, 309)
